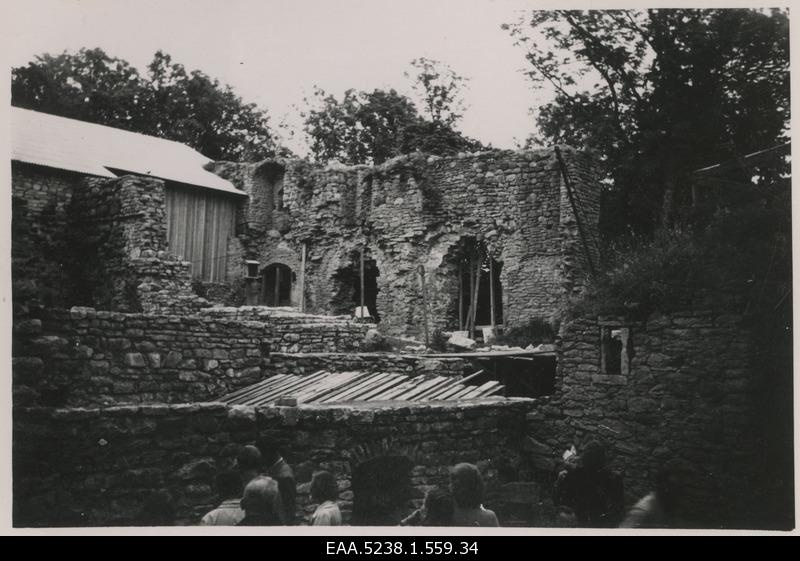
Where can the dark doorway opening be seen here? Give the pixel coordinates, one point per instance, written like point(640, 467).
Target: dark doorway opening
point(479, 286)
point(382, 491)
point(347, 281)
point(522, 376)
point(276, 285)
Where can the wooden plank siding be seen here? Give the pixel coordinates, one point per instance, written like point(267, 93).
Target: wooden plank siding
point(199, 224)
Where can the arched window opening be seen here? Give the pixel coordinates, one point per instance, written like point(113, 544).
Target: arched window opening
point(276, 285)
point(382, 491)
point(348, 281)
point(480, 293)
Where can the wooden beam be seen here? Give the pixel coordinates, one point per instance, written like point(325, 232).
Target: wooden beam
point(362, 282)
point(421, 271)
point(303, 278)
point(460, 295)
point(491, 290)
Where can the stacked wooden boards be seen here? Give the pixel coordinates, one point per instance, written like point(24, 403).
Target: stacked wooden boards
point(340, 387)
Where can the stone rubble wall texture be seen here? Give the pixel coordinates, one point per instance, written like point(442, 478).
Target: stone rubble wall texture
point(416, 210)
point(96, 467)
point(688, 398)
point(412, 365)
point(84, 357)
point(119, 230)
point(87, 357)
point(40, 252)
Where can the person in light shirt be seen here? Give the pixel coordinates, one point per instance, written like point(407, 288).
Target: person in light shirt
point(325, 491)
point(466, 485)
point(229, 512)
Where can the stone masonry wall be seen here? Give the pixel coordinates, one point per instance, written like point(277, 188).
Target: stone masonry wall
point(40, 254)
point(417, 210)
point(687, 399)
point(308, 363)
point(85, 357)
point(119, 229)
point(97, 467)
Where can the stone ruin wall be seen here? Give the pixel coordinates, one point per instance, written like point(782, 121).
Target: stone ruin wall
point(414, 211)
point(97, 467)
point(689, 399)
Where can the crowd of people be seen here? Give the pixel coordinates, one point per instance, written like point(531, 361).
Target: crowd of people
point(261, 491)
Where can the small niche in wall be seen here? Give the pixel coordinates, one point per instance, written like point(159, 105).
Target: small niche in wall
point(616, 350)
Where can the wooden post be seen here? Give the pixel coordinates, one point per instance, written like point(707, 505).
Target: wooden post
point(491, 290)
point(471, 293)
point(277, 286)
point(303, 278)
point(361, 311)
point(421, 271)
point(477, 290)
point(460, 295)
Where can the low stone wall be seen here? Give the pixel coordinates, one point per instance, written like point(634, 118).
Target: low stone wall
point(687, 398)
point(308, 363)
point(294, 332)
point(97, 467)
point(87, 357)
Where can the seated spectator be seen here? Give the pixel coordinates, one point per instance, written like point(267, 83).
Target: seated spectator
point(258, 503)
point(325, 491)
point(229, 512)
point(277, 468)
point(437, 510)
point(591, 490)
point(466, 485)
point(248, 463)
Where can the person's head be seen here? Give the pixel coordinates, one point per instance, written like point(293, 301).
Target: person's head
point(438, 507)
point(466, 485)
point(158, 510)
point(259, 497)
point(229, 485)
point(270, 450)
point(248, 462)
point(324, 487)
point(593, 456)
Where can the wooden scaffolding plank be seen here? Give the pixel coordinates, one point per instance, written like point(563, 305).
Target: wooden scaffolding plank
point(494, 391)
point(478, 391)
point(241, 392)
point(444, 382)
point(287, 380)
point(393, 381)
point(325, 393)
point(450, 389)
point(418, 389)
point(327, 383)
point(286, 389)
point(399, 390)
point(370, 380)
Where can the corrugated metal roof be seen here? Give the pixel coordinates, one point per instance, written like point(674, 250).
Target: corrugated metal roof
point(69, 144)
point(325, 387)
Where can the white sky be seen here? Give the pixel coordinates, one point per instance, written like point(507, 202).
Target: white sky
point(273, 52)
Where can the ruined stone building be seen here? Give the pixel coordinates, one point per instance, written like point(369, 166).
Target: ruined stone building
point(168, 309)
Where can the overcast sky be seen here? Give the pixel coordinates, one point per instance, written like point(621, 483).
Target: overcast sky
point(273, 52)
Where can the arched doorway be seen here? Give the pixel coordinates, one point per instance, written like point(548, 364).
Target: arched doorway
point(479, 302)
point(348, 281)
point(276, 285)
point(381, 491)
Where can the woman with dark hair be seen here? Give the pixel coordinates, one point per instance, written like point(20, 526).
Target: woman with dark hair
point(466, 485)
point(325, 491)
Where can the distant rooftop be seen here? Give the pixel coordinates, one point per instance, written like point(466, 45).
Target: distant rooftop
point(72, 145)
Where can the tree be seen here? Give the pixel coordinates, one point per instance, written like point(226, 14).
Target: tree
point(440, 89)
point(372, 127)
point(168, 102)
point(658, 94)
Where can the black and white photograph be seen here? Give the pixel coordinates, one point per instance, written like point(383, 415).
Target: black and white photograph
point(408, 268)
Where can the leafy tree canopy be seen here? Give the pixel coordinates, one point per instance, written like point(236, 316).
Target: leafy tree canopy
point(658, 94)
point(372, 127)
point(167, 102)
